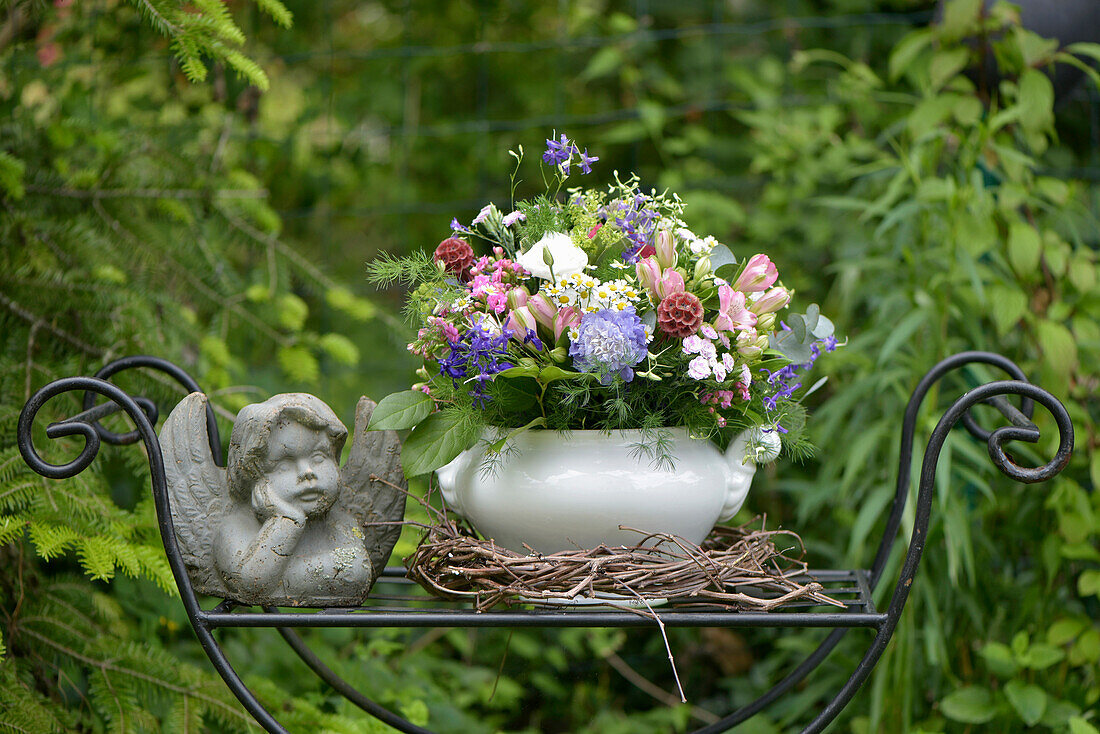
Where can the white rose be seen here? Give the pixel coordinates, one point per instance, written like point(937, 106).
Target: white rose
point(568, 258)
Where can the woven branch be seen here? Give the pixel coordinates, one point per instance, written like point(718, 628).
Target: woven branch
point(736, 568)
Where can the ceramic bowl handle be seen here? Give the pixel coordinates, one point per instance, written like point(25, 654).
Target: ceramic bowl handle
point(746, 449)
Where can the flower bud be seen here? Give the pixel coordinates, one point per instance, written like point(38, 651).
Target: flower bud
point(666, 249)
point(517, 297)
point(702, 268)
point(423, 374)
point(543, 309)
point(559, 354)
point(649, 273)
point(766, 322)
point(748, 343)
point(772, 301)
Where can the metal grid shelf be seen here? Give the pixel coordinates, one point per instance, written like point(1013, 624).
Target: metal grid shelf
point(397, 602)
point(412, 609)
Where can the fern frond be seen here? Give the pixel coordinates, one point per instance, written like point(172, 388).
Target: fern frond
point(277, 11)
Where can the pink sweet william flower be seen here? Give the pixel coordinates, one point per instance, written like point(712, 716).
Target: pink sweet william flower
point(699, 368)
point(758, 275)
point(732, 314)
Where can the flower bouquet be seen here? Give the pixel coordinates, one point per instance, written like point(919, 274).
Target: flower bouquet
point(595, 309)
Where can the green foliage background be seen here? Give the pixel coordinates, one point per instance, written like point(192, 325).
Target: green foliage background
point(152, 200)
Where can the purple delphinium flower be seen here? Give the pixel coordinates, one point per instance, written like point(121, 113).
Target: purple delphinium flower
point(476, 357)
point(587, 161)
point(558, 152)
point(609, 343)
point(457, 226)
point(784, 378)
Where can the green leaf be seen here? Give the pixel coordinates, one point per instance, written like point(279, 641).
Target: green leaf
point(721, 256)
point(435, 441)
point(1086, 649)
point(1082, 272)
point(960, 17)
point(400, 410)
point(1024, 247)
point(900, 333)
point(1064, 631)
point(605, 61)
point(970, 705)
point(1088, 583)
point(1078, 725)
point(1006, 307)
point(553, 374)
point(906, 50)
point(1030, 701)
point(1041, 656)
point(999, 658)
point(945, 65)
point(1059, 346)
point(1036, 101)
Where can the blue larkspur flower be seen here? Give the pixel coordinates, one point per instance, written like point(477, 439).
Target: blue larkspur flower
point(609, 343)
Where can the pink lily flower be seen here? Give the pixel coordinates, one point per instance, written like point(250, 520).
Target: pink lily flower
point(519, 322)
point(567, 317)
point(671, 282)
point(732, 314)
point(758, 275)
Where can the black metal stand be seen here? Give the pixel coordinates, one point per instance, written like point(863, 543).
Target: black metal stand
point(853, 587)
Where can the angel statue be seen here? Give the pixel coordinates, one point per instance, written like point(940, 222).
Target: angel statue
point(282, 523)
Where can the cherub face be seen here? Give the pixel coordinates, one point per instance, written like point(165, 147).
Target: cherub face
point(302, 470)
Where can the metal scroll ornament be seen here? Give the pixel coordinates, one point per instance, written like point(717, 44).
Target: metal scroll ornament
point(283, 523)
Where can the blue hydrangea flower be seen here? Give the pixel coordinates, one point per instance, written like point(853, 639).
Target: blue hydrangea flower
point(609, 343)
point(475, 358)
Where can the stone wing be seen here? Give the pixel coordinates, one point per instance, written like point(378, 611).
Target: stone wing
point(198, 491)
point(377, 504)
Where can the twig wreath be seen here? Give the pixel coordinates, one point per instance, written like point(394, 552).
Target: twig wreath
point(740, 569)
